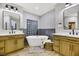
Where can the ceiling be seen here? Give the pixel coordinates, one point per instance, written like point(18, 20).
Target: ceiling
point(37, 8)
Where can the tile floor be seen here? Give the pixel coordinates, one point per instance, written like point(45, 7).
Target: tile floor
point(33, 51)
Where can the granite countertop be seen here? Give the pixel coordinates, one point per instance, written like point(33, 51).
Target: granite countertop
point(11, 34)
point(63, 34)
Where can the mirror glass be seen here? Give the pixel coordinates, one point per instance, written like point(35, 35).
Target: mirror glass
point(71, 18)
point(10, 21)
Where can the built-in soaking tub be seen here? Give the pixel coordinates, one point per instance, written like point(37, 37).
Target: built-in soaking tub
point(36, 40)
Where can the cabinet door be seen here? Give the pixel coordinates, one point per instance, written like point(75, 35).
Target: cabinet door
point(2, 51)
point(56, 48)
point(75, 49)
point(20, 43)
point(56, 42)
point(65, 48)
point(1, 43)
point(9, 45)
point(56, 45)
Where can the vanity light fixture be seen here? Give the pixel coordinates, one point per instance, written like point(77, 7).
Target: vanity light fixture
point(16, 8)
point(11, 7)
point(6, 6)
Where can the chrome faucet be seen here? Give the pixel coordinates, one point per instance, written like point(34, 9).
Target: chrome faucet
point(73, 32)
point(12, 29)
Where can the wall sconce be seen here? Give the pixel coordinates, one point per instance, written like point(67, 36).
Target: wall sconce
point(68, 4)
point(59, 23)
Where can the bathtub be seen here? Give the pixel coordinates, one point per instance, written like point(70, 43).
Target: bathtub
point(36, 40)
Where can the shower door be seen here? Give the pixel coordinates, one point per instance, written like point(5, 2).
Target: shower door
point(32, 27)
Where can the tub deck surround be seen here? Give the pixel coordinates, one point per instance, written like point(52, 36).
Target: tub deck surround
point(11, 42)
point(65, 44)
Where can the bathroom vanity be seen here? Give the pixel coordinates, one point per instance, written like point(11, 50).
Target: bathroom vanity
point(11, 43)
point(11, 37)
point(67, 45)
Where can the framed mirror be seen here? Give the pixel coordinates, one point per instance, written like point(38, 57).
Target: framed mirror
point(10, 21)
point(71, 18)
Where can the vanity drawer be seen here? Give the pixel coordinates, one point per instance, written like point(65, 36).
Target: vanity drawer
point(73, 40)
point(3, 37)
point(70, 38)
point(59, 37)
point(65, 40)
point(1, 43)
point(11, 36)
point(1, 51)
point(19, 36)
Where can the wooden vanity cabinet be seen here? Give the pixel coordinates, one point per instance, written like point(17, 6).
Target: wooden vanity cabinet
point(11, 43)
point(14, 42)
point(2, 44)
point(68, 46)
point(19, 42)
point(64, 47)
point(1, 47)
point(75, 49)
point(74, 46)
point(56, 43)
point(2, 51)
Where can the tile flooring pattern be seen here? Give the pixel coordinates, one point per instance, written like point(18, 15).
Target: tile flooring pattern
point(33, 51)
